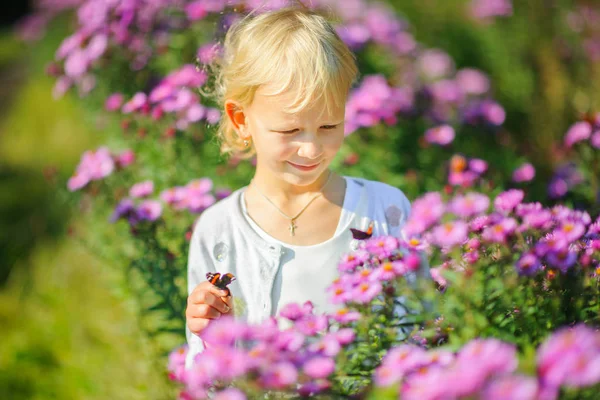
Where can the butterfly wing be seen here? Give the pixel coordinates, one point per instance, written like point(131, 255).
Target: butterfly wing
point(213, 277)
point(362, 235)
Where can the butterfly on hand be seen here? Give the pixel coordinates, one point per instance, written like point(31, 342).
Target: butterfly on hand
point(220, 281)
point(362, 235)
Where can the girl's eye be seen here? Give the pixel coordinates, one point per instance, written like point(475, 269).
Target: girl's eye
point(324, 127)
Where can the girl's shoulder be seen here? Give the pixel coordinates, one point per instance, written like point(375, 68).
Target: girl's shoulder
point(382, 193)
point(219, 216)
point(385, 202)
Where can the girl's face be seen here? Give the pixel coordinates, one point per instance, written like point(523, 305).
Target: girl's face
point(296, 148)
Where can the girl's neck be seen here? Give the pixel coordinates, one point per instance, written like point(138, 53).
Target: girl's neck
point(283, 190)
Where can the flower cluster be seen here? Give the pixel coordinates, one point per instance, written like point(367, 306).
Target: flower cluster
point(584, 137)
point(485, 10)
point(136, 28)
point(465, 171)
point(98, 164)
point(366, 272)
point(174, 96)
point(195, 197)
point(487, 368)
point(299, 359)
point(544, 239)
point(585, 20)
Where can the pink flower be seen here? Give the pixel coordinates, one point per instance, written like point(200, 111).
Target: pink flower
point(473, 81)
point(578, 132)
point(345, 315)
point(469, 205)
point(230, 394)
point(365, 292)
point(76, 64)
point(137, 102)
point(390, 270)
point(319, 367)
point(442, 135)
point(383, 246)
point(96, 47)
point(149, 210)
point(208, 52)
point(511, 387)
point(505, 202)
point(524, 173)
point(77, 181)
point(595, 140)
point(114, 102)
point(279, 375)
point(176, 364)
point(436, 275)
point(141, 189)
point(349, 262)
point(450, 234)
point(435, 63)
point(125, 158)
point(426, 211)
point(500, 231)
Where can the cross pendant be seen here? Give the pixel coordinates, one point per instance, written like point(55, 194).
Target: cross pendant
point(292, 228)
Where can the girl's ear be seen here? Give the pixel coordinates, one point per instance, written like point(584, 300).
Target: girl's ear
point(236, 116)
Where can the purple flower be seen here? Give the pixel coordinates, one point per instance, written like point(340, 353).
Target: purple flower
point(319, 367)
point(524, 173)
point(493, 112)
point(442, 135)
point(142, 189)
point(96, 47)
point(450, 234)
point(124, 209)
point(528, 264)
point(578, 132)
point(505, 202)
point(149, 210)
point(561, 259)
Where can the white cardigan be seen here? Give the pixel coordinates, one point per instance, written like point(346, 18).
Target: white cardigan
point(223, 241)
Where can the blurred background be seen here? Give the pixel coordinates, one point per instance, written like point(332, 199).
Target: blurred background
point(71, 327)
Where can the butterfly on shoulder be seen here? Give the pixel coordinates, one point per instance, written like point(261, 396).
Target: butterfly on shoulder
point(221, 281)
point(363, 235)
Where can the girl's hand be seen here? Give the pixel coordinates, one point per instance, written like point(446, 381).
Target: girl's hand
point(205, 303)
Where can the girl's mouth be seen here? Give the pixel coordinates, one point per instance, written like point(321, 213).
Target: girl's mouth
point(304, 167)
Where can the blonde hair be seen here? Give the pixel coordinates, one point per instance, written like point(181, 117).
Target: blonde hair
point(292, 48)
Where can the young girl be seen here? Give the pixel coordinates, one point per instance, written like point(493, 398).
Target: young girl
point(283, 83)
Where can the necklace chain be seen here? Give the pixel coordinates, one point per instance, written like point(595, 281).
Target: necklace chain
point(292, 228)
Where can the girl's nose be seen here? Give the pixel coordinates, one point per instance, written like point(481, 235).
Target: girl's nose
point(310, 147)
